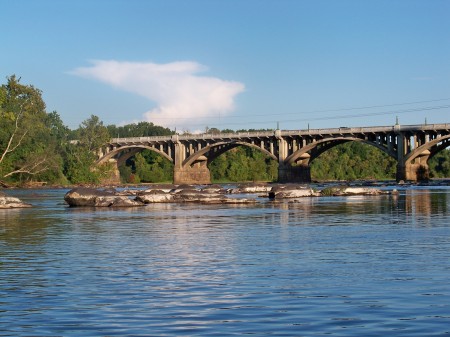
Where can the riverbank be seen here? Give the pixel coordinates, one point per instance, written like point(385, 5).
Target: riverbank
point(431, 182)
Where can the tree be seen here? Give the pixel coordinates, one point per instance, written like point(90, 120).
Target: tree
point(353, 160)
point(80, 156)
point(440, 164)
point(93, 134)
point(141, 129)
point(212, 131)
point(147, 166)
point(26, 149)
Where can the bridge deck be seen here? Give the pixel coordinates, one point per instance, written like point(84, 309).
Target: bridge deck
point(286, 133)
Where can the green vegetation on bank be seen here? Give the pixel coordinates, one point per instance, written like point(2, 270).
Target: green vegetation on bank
point(36, 146)
point(243, 164)
point(351, 161)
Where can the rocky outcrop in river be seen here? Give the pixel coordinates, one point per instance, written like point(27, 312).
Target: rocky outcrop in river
point(292, 191)
point(213, 194)
point(299, 191)
point(90, 197)
point(7, 201)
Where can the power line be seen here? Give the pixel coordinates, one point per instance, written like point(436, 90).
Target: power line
point(343, 116)
point(306, 112)
point(358, 108)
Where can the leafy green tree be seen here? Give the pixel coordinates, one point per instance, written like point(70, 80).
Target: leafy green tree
point(142, 168)
point(141, 129)
point(440, 164)
point(351, 161)
point(93, 134)
point(58, 131)
point(148, 167)
point(27, 147)
point(80, 155)
point(243, 164)
point(126, 174)
point(212, 131)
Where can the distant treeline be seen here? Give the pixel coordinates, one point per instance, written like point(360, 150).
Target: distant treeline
point(36, 146)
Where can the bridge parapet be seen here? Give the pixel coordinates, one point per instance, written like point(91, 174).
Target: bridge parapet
point(301, 132)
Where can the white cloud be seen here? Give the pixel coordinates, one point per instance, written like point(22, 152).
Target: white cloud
point(182, 97)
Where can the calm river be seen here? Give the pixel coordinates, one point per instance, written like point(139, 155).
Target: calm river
point(340, 266)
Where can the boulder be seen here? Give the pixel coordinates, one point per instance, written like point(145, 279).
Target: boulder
point(190, 196)
point(214, 189)
point(155, 197)
point(298, 192)
point(90, 197)
point(211, 198)
point(360, 191)
point(160, 187)
point(347, 191)
point(252, 188)
point(7, 201)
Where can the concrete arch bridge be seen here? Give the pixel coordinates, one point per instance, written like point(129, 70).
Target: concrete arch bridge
point(411, 145)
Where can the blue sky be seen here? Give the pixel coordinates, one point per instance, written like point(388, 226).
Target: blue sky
point(233, 63)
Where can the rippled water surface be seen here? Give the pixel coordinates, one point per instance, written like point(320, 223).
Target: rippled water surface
point(340, 266)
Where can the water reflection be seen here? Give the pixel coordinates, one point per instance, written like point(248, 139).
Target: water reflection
point(425, 202)
point(308, 267)
point(20, 226)
point(416, 207)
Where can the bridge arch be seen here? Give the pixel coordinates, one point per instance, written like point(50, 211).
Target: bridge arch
point(429, 149)
point(315, 149)
point(216, 149)
point(440, 147)
point(128, 151)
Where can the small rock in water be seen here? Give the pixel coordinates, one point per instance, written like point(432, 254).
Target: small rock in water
point(7, 201)
point(292, 193)
point(154, 197)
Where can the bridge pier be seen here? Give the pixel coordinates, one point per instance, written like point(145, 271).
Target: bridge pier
point(294, 174)
point(196, 173)
point(112, 176)
point(415, 170)
point(192, 175)
point(412, 172)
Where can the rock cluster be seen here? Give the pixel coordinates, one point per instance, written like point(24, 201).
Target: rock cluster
point(252, 188)
point(346, 190)
point(84, 196)
point(108, 198)
point(213, 194)
point(11, 202)
point(298, 191)
point(292, 191)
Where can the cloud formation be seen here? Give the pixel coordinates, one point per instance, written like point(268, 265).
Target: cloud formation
point(182, 97)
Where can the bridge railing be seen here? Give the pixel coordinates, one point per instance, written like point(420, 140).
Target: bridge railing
point(264, 134)
point(192, 137)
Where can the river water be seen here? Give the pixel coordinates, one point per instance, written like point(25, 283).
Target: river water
point(339, 266)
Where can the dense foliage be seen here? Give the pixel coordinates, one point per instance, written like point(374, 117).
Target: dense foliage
point(146, 167)
point(28, 140)
point(440, 164)
point(141, 129)
point(36, 146)
point(243, 164)
point(353, 160)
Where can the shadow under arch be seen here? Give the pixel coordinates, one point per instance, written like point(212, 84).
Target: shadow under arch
point(216, 149)
point(315, 149)
point(126, 152)
point(429, 149)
